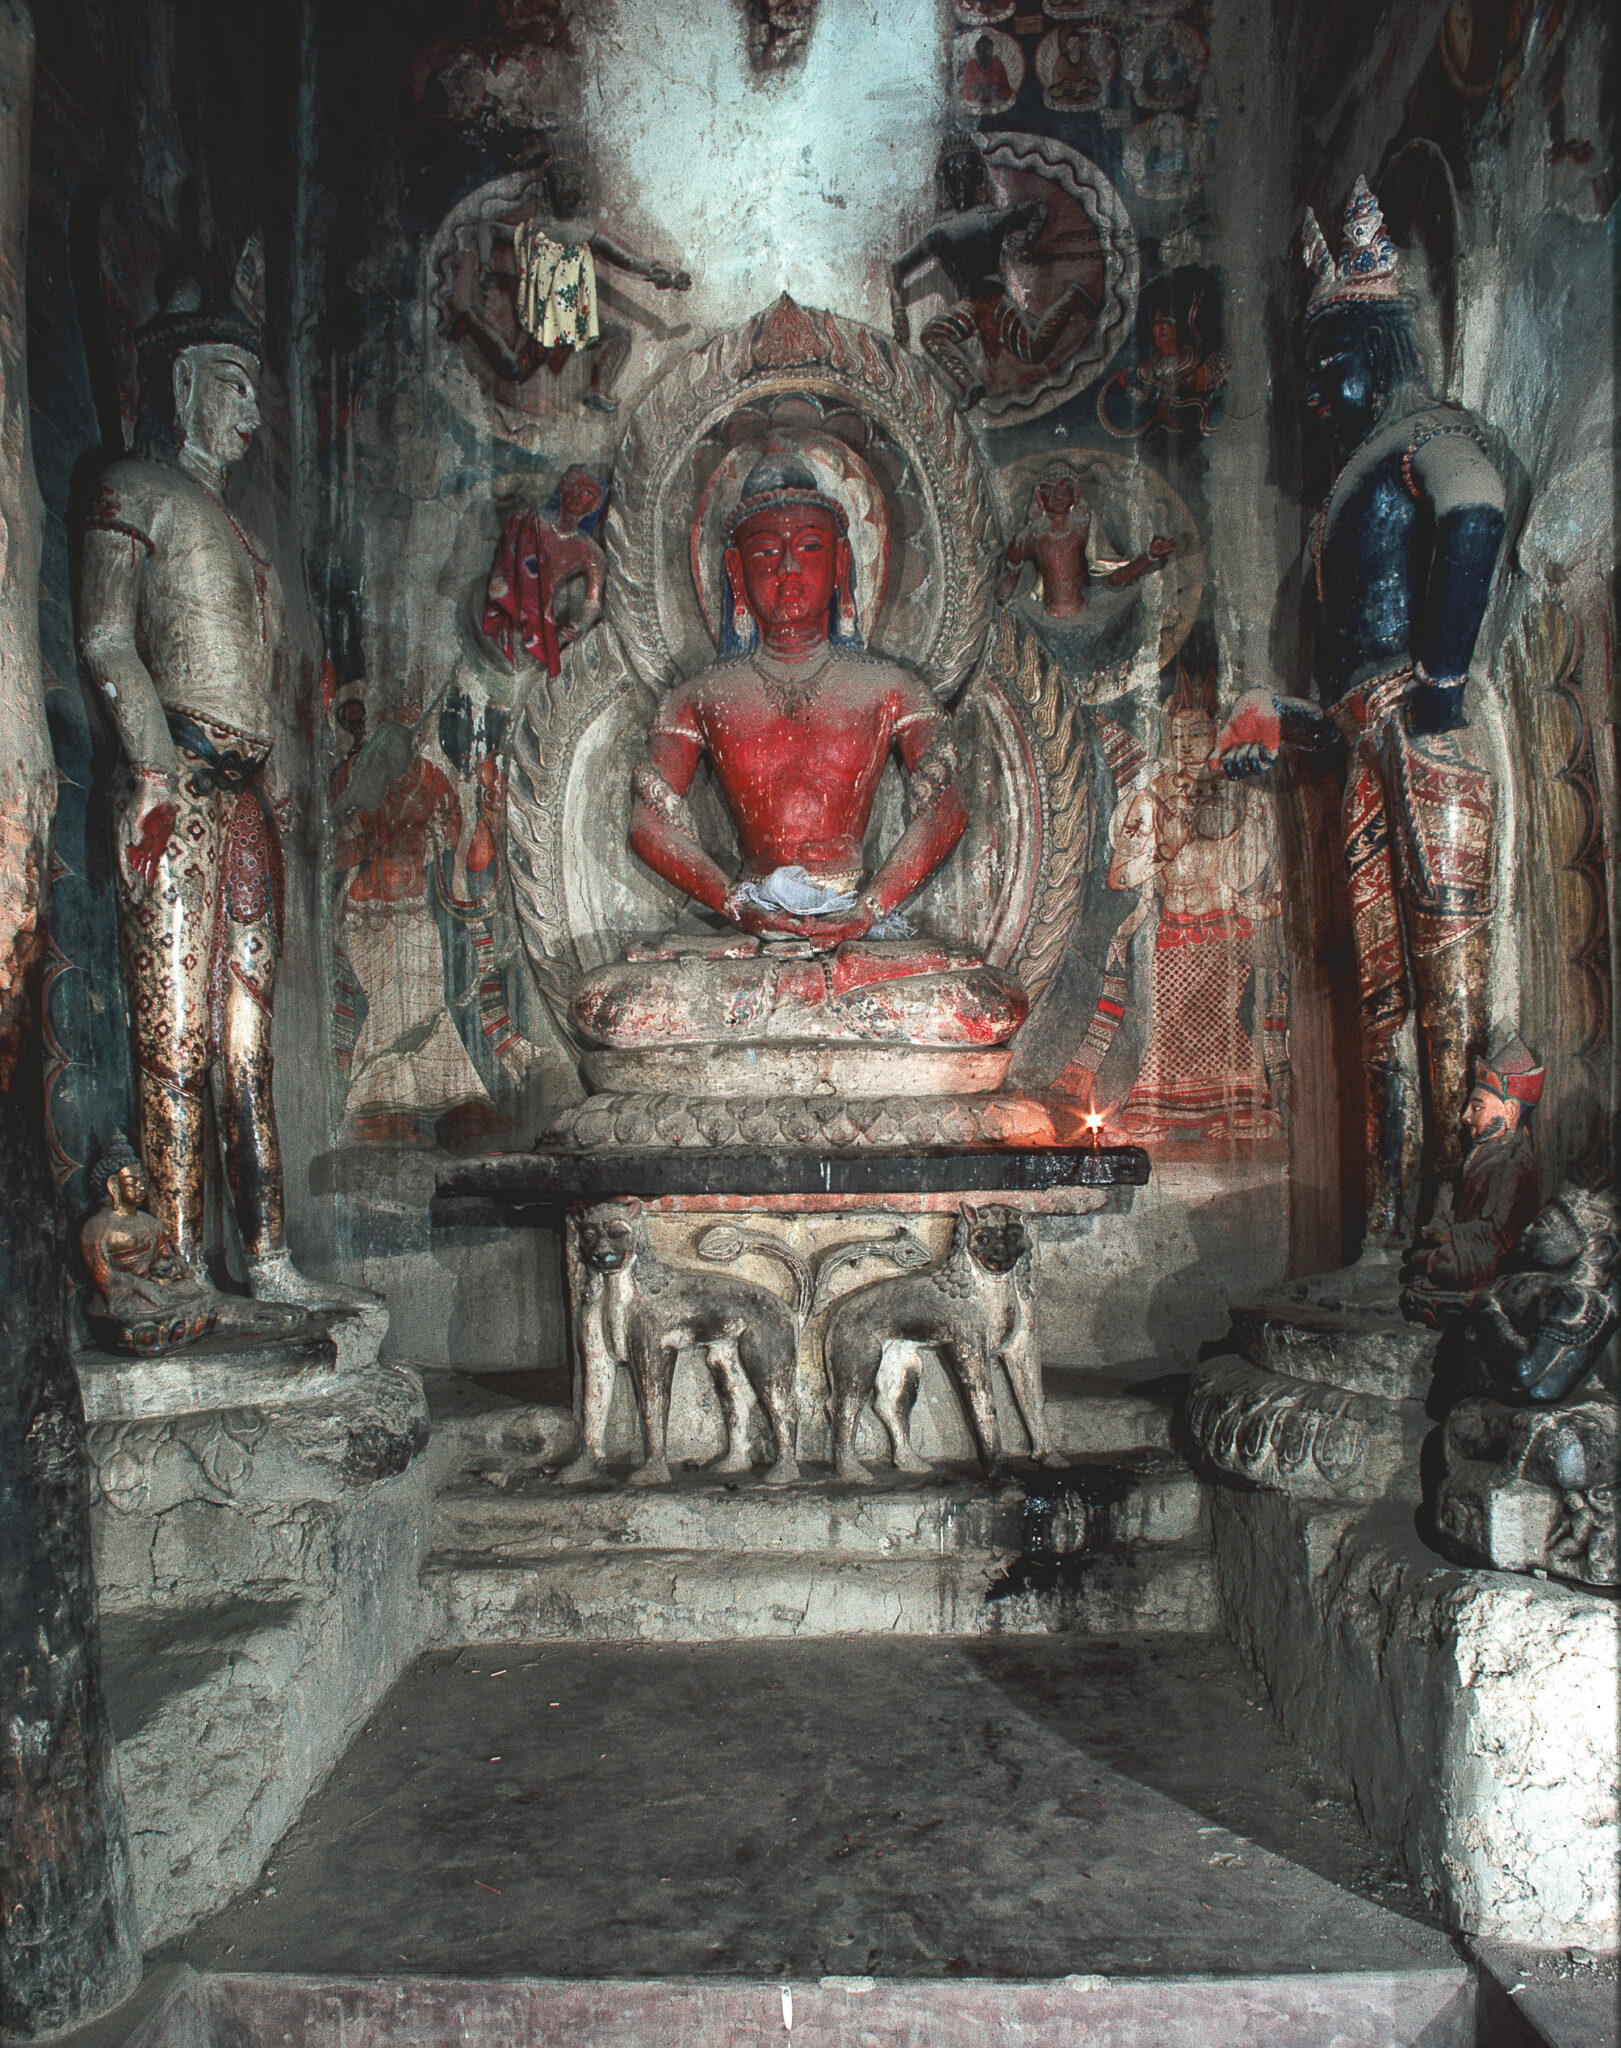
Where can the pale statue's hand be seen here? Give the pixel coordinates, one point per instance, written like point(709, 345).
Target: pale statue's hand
point(149, 823)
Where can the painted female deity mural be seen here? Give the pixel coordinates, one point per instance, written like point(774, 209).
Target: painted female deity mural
point(1195, 973)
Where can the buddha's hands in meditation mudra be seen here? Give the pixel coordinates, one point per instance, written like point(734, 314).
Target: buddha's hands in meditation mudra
point(797, 733)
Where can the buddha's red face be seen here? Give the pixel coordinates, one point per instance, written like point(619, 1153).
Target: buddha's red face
point(787, 561)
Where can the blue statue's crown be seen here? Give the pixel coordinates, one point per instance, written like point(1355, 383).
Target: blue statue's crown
point(1368, 264)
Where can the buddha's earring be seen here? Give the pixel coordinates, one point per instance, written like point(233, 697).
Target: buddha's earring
point(849, 626)
point(744, 630)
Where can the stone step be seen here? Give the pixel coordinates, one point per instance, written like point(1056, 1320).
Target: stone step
point(500, 1505)
point(695, 1596)
point(1089, 1415)
point(1389, 2008)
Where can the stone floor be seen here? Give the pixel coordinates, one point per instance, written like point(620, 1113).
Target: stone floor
point(905, 1809)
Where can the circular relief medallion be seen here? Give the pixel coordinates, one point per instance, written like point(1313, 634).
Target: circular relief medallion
point(1119, 637)
point(1079, 270)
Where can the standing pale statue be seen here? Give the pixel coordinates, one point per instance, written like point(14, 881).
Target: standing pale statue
point(181, 626)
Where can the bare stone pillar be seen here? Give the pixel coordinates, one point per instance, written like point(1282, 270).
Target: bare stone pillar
point(69, 1946)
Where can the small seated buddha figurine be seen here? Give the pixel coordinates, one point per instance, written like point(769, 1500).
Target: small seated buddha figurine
point(797, 724)
point(147, 1298)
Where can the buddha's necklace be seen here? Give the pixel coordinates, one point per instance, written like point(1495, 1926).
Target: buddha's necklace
point(790, 691)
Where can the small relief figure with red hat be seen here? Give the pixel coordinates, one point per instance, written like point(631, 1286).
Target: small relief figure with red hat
point(1497, 1193)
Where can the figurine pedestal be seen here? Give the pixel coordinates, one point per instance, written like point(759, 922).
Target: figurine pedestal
point(317, 1357)
point(1532, 1489)
point(1328, 1401)
point(200, 1458)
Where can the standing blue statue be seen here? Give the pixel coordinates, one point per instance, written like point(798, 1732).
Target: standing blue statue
point(1401, 559)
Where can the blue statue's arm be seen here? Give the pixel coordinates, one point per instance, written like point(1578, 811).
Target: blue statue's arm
point(1453, 474)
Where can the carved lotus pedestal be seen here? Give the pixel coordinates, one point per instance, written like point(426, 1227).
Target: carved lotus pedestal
point(1326, 1401)
point(839, 1097)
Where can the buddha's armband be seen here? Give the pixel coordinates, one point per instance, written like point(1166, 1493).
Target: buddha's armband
point(651, 789)
point(936, 769)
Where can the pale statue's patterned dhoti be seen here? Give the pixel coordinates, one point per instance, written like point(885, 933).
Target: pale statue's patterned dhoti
point(200, 951)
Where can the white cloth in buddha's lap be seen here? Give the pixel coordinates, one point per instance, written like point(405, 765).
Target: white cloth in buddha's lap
point(792, 890)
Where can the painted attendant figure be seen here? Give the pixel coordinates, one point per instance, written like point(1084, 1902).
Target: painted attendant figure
point(1402, 558)
point(797, 728)
point(180, 622)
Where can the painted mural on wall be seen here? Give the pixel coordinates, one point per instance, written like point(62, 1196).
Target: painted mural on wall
point(1187, 1046)
point(1062, 290)
point(1173, 1019)
point(427, 1034)
point(1059, 298)
point(433, 1012)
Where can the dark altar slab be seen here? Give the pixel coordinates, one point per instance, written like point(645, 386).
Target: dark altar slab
point(547, 1178)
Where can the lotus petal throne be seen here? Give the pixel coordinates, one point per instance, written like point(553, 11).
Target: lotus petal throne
point(797, 723)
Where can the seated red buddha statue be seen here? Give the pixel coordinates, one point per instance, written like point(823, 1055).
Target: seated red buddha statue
point(797, 724)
